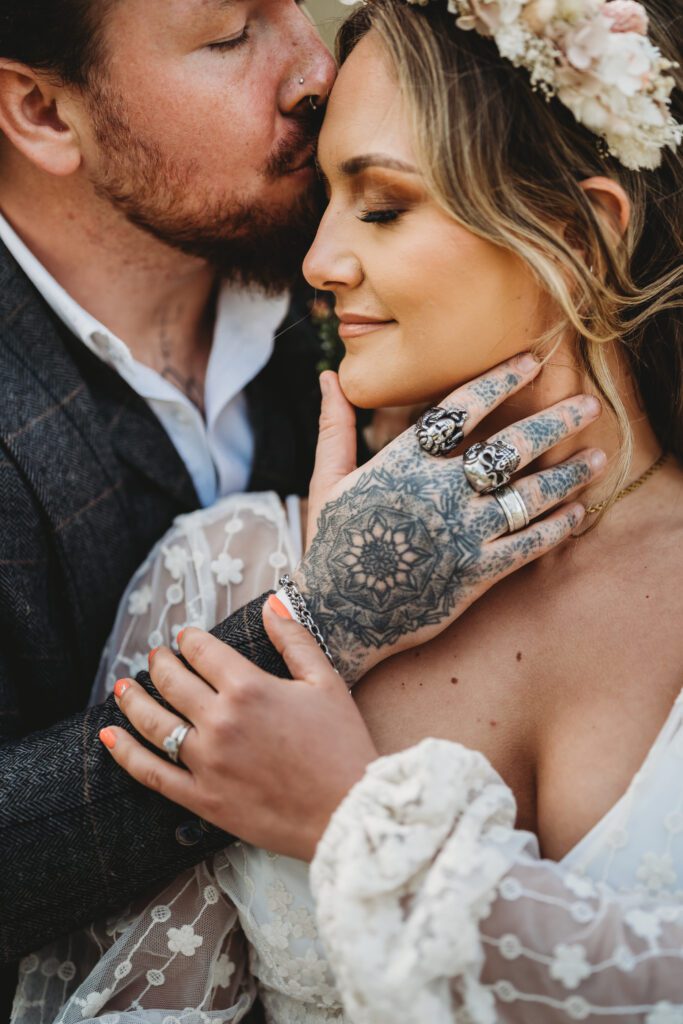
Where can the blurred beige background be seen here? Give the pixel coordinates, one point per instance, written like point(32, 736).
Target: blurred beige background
point(326, 15)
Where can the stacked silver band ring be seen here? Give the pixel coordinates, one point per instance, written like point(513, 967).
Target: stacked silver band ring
point(514, 509)
point(174, 742)
point(490, 464)
point(439, 431)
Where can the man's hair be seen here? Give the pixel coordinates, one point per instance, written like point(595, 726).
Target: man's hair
point(60, 37)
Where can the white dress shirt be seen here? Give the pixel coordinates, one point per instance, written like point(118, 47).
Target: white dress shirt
point(218, 450)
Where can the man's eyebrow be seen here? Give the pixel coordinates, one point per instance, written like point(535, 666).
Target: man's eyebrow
point(357, 164)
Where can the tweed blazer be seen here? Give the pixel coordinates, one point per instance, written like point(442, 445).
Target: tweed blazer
point(89, 481)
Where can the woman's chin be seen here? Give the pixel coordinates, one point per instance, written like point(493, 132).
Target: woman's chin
point(370, 386)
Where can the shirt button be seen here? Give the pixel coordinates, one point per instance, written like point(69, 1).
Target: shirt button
point(189, 833)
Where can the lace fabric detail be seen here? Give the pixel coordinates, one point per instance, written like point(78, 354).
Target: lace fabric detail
point(428, 897)
point(208, 565)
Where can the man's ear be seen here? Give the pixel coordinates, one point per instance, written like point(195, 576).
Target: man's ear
point(611, 203)
point(34, 118)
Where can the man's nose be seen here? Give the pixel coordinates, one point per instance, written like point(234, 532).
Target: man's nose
point(313, 70)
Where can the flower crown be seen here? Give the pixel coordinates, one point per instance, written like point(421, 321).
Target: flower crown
point(596, 58)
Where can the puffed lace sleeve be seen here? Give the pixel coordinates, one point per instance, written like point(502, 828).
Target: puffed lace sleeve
point(433, 907)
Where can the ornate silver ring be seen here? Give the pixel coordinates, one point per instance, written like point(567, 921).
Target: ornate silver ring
point(490, 464)
point(514, 509)
point(174, 742)
point(439, 431)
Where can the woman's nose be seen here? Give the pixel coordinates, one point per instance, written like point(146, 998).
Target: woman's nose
point(329, 265)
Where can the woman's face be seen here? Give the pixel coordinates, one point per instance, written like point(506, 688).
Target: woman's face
point(425, 304)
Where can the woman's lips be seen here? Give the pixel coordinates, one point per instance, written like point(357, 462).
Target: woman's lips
point(357, 327)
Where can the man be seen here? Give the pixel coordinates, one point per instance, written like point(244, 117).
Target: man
point(155, 168)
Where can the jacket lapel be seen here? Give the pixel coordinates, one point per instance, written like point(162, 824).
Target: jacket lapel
point(67, 436)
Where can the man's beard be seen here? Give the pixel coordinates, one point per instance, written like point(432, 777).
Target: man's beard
point(250, 243)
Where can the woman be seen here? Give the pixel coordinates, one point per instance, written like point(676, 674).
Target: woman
point(462, 204)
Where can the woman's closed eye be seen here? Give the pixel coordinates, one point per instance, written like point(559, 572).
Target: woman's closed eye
point(380, 216)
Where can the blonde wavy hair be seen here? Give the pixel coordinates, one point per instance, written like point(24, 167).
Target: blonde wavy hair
point(507, 165)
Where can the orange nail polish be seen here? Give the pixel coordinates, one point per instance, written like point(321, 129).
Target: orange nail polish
point(151, 654)
point(108, 738)
point(179, 637)
point(120, 687)
point(278, 607)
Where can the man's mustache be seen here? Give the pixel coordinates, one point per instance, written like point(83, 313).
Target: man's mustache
point(292, 150)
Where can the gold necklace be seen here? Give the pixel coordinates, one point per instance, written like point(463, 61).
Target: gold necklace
point(592, 509)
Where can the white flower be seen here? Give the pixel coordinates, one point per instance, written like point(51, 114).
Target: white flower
point(581, 887)
point(510, 947)
point(665, 1013)
point(138, 663)
point(175, 561)
point(587, 42)
point(539, 13)
point(276, 933)
point(569, 965)
point(140, 600)
point(227, 569)
point(656, 872)
point(223, 971)
point(184, 940)
point(626, 63)
point(303, 924)
point(644, 924)
point(93, 1003)
point(279, 898)
point(627, 16)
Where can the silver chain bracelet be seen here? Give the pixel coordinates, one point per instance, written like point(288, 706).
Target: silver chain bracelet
point(303, 616)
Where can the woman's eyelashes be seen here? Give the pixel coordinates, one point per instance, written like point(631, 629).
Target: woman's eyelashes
point(381, 216)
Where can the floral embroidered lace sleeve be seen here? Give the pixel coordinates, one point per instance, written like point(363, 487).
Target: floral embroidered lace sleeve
point(430, 903)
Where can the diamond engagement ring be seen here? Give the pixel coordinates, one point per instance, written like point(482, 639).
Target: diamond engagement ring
point(439, 431)
point(489, 465)
point(174, 742)
point(514, 509)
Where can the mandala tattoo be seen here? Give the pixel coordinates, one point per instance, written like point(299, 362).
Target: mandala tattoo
point(375, 573)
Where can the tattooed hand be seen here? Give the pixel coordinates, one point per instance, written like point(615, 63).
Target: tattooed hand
point(401, 547)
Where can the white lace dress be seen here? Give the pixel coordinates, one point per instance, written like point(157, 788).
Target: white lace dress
point(423, 903)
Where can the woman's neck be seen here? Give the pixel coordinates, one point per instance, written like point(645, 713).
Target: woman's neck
point(562, 378)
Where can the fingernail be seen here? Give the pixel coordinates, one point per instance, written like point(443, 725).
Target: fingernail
point(324, 384)
point(528, 362)
point(178, 638)
point(120, 688)
point(108, 738)
point(278, 607)
point(597, 458)
point(592, 405)
point(152, 653)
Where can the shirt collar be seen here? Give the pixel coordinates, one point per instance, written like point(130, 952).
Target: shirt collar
point(244, 334)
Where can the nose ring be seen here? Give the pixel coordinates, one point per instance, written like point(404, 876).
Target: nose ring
point(312, 102)
point(301, 81)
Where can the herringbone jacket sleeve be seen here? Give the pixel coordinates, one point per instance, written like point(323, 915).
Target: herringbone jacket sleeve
point(78, 837)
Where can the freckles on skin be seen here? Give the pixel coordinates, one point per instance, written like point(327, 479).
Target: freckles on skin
point(218, 109)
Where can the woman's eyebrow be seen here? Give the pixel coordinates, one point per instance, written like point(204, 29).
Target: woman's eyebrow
point(357, 164)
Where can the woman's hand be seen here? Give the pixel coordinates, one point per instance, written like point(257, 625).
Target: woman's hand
point(267, 759)
point(401, 547)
